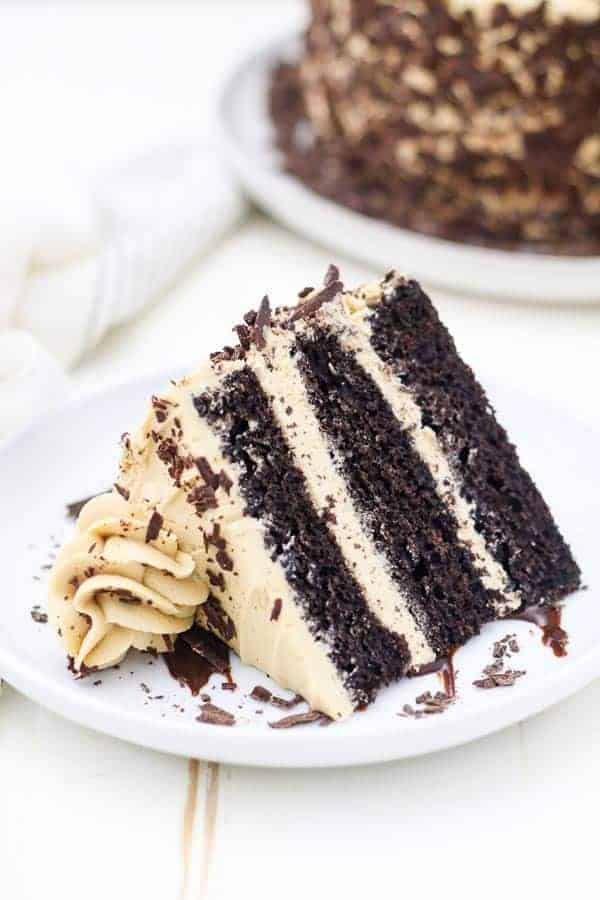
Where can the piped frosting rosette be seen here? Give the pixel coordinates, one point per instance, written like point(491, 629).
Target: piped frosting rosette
point(122, 582)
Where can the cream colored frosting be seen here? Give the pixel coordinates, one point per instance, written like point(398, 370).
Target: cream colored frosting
point(355, 338)
point(111, 590)
point(281, 380)
point(284, 647)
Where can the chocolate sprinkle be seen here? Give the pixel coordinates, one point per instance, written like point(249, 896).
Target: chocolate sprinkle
point(205, 469)
point(154, 526)
point(218, 619)
point(261, 694)
point(263, 320)
point(38, 616)
point(276, 611)
point(297, 719)
point(224, 560)
point(122, 491)
point(214, 715)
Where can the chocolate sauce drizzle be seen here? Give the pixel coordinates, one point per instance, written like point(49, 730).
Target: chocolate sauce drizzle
point(197, 655)
point(444, 667)
point(549, 619)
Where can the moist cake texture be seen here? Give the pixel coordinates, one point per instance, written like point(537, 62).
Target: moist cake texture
point(333, 498)
point(470, 120)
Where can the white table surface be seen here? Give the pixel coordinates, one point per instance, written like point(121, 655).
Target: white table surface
point(86, 816)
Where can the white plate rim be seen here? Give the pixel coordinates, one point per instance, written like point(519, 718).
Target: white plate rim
point(476, 270)
point(297, 748)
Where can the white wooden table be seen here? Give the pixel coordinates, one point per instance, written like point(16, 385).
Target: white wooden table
point(86, 816)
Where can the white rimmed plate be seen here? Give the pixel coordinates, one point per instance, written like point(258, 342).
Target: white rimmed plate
point(247, 139)
point(73, 454)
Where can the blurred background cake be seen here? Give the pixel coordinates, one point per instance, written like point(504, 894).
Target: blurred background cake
point(470, 120)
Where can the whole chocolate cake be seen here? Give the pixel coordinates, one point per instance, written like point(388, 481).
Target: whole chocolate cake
point(471, 120)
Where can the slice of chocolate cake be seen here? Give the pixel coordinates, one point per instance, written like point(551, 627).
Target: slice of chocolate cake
point(333, 498)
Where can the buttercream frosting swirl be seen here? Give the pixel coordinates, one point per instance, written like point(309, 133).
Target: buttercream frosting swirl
point(114, 586)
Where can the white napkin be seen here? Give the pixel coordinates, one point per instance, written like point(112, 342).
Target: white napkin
point(76, 260)
point(31, 381)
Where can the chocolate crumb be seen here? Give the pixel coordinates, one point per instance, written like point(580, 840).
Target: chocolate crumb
point(261, 694)
point(214, 715)
point(38, 616)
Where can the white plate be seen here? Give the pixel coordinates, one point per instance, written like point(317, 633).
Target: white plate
point(74, 453)
point(248, 142)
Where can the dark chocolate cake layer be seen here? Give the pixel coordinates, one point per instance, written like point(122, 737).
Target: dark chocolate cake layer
point(472, 124)
point(273, 487)
point(394, 491)
point(510, 511)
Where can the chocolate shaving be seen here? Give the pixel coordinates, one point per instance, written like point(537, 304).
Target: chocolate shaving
point(154, 526)
point(331, 275)
point(263, 320)
point(209, 646)
point(74, 508)
point(311, 306)
point(206, 470)
point(261, 694)
point(225, 481)
point(214, 715)
point(203, 498)
point(216, 580)
point(38, 616)
point(287, 704)
point(500, 679)
point(122, 491)
point(218, 619)
point(276, 611)
point(224, 560)
point(215, 538)
point(297, 719)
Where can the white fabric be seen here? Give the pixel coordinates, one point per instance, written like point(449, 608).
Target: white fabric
point(31, 381)
point(76, 260)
